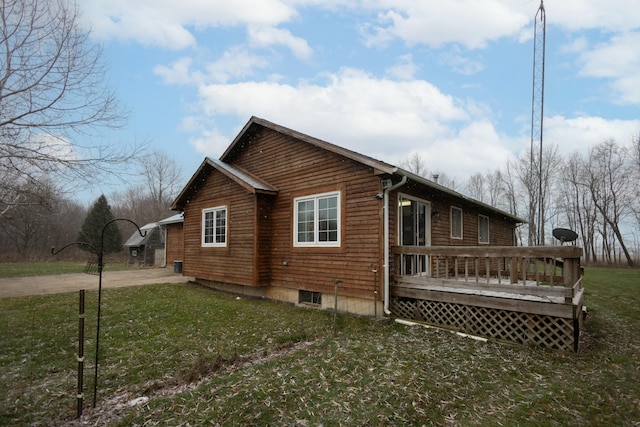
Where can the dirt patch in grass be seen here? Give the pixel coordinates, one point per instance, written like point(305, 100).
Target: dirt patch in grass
point(201, 371)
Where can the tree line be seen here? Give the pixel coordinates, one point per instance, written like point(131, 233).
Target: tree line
point(50, 217)
point(595, 194)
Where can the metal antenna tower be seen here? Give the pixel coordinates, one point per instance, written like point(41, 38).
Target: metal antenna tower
point(537, 112)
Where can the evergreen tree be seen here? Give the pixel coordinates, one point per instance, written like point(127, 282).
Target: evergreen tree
point(91, 231)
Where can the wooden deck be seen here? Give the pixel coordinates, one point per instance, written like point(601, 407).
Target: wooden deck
point(523, 294)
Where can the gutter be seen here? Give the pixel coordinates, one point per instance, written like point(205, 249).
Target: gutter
point(385, 265)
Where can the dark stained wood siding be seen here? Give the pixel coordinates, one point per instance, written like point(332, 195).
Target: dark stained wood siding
point(175, 243)
point(501, 229)
point(262, 251)
point(231, 264)
point(260, 248)
point(297, 169)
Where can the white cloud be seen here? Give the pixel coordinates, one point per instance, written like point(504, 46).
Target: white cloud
point(178, 73)
point(618, 60)
point(574, 15)
point(169, 24)
point(435, 23)
point(269, 36)
point(372, 116)
point(389, 120)
point(235, 63)
point(581, 133)
point(460, 63)
point(405, 69)
point(476, 147)
point(207, 140)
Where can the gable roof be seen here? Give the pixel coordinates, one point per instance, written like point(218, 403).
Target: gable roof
point(236, 174)
point(174, 219)
point(254, 185)
point(255, 122)
point(136, 239)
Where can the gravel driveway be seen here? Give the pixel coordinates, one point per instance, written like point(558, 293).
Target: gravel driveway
point(42, 285)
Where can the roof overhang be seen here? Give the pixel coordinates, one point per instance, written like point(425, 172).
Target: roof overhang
point(234, 173)
point(446, 190)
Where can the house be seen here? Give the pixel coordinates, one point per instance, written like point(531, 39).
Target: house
point(290, 217)
point(146, 250)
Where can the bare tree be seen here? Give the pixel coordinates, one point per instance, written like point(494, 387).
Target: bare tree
point(162, 177)
point(149, 201)
point(476, 187)
point(30, 230)
point(416, 165)
point(488, 188)
point(52, 96)
point(538, 187)
point(580, 213)
point(606, 176)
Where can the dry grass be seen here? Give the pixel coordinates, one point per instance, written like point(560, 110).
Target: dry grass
point(178, 355)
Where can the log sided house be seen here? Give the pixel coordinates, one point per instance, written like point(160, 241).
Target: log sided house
point(286, 216)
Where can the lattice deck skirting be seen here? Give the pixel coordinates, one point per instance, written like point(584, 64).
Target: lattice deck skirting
point(525, 328)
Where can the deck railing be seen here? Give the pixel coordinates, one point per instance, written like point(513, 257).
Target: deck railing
point(548, 271)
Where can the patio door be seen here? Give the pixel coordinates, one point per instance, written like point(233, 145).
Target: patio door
point(414, 230)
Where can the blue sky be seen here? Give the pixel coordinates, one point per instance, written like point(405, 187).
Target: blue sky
point(448, 79)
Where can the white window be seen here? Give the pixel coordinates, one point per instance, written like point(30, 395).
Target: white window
point(456, 223)
point(483, 229)
point(214, 226)
point(317, 220)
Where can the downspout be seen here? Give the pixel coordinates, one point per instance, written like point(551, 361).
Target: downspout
point(386, 242)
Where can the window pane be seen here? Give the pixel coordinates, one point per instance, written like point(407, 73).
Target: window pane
point(221, 225)
point(208, 227)
point(483, 229)
point(456, 223)
point(305, 221)
point(328, 219)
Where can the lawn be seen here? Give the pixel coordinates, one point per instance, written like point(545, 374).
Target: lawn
point(22, 269)
point(189, 356)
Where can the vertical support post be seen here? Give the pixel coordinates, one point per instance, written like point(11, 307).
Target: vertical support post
point(514, 270)
point(80, 394)
point(487, 266)
point(571, 273)
point(95, 373)
point(375, 293)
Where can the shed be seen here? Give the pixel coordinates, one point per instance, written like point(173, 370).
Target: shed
point(147, 250)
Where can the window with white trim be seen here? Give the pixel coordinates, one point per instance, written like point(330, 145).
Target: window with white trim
point(456, 223)
point(317, 220)
point(483, 229)
point(214, 227)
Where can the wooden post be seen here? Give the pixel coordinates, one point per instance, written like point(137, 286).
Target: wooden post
point(570, 273)
point(80, 394)
point(514, 270)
